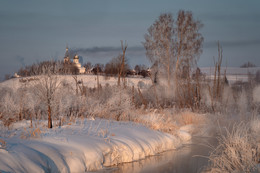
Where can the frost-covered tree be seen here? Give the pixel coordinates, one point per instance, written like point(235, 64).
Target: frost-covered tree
point(9, 108)
point(159, 43)
point(173, 45)
point(188, 40)
point(46, 89)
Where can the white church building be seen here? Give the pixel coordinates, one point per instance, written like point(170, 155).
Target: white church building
point(75, 61)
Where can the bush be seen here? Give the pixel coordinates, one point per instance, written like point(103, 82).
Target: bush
point(237, 151)
point(257, 76)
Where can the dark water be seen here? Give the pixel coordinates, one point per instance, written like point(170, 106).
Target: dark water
point(188, 159)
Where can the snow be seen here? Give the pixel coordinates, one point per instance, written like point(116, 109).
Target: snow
point(185, 136)
point(88, 80)
point(86, 145)
point(95, 144)
point(233, 74)
point(230, 70)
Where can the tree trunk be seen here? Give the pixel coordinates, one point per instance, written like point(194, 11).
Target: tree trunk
point(122, 67)
point(20, 115)
point(133, 95)
point(98, 85)
point(31, 120)
point(49, 117)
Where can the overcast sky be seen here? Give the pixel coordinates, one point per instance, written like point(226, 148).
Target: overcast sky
point(33, 31)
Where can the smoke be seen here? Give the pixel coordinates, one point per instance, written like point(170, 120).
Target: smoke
point(20, 59)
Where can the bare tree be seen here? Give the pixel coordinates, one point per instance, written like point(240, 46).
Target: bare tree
point(88, 66)
point(46, 88)
point(113, 67)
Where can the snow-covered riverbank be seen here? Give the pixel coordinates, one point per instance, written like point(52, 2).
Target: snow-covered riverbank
point(83, 146)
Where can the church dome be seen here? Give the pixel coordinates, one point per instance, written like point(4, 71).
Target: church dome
point(76, 57)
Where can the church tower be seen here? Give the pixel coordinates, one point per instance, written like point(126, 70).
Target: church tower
point(67, 57)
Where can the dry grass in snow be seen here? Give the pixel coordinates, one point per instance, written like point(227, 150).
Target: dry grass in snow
point(238, 150)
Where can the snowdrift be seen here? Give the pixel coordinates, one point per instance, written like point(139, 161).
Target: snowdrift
point(87, 145)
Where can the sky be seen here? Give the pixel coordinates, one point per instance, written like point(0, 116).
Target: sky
point(34, 31)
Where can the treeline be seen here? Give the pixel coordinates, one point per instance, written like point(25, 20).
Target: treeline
point(56, 67)
point(112, 68)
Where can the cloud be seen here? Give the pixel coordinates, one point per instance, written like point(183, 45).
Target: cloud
point(233, 44)
point(108, 51)
point(230, 17)
point(140, 51)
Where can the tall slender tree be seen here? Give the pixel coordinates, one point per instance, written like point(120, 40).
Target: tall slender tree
point(122, 68)
point(174, 44)
point(159, 43)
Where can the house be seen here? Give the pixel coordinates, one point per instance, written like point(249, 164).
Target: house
point(16, 75)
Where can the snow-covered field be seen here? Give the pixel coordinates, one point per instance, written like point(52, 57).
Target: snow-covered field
point(88, 80)
point(88, 144)
point(233, 74)
point(84, 145)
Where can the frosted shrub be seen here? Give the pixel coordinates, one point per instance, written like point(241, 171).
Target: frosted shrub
point(65, 105)
point(65, 102)
point(256, 95)
point(120, 103)
point(228, 98)
point(242, 102)
point(105, 94)
point(149, 96)
point(4, 91)
point(206, 97)
point(255, 125)
point(187, 117)
point(141, 85)
point(237, 151)
point(164, 95)
point(95, 109)
point(158, 121)
point(9, 109)
point(96, 102)
point(257, 76)
point(109, 102)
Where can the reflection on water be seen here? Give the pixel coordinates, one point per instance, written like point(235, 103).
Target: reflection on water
point(190, 158)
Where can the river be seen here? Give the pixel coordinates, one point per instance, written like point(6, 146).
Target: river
point(190, 158)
